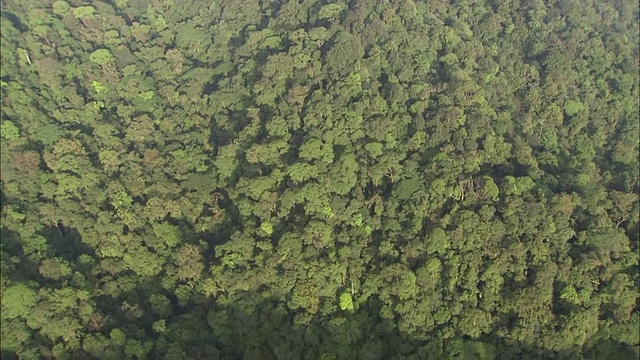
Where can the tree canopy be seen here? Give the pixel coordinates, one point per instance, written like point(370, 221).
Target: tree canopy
point(319, 179)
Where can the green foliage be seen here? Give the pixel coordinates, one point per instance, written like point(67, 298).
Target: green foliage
point(234, 179)
point(573, 107)
point(143, 262)
point(569, 294)
point(227, 160)
point(346, 302)
point(118, 337)
point(17, 301)
point(55, 269)
point(408, 187)
point(267, 228)
point(101, 57)
point(491, 190)
point(99, 88)
point(81, 12)
point(159, 22)
point(159, 326)
point(167, 233)
point(147, 95)
point(437, 241)
point(316, 149)
point(302, 172)
point(331, 11)
point(374, 149)
point(9, 130)
point(61, 8)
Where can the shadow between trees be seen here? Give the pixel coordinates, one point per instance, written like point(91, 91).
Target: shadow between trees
point(255, 325)
point(252, 327)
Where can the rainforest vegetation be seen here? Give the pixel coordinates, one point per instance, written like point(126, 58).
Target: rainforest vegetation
point(319, 179)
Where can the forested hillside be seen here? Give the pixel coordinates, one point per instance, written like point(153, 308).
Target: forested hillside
point(300, 179)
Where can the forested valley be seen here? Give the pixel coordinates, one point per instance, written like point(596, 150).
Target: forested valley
point(317, 179)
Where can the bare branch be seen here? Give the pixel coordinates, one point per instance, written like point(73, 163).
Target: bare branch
point(26, 55)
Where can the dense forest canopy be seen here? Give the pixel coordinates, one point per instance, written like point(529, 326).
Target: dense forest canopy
point(311, 179)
